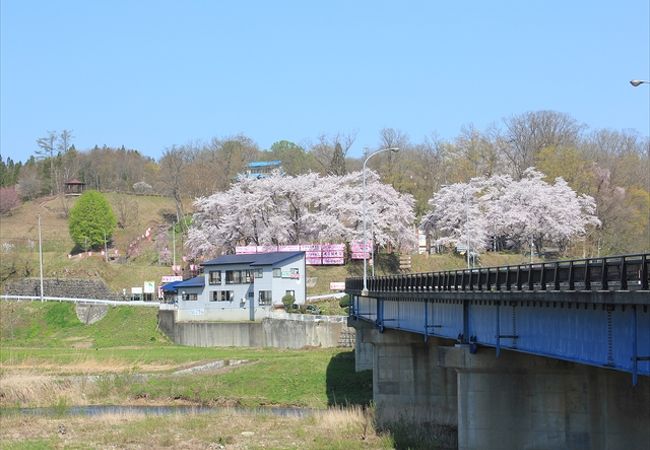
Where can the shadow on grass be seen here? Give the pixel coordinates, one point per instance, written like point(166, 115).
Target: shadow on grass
point(345, 387)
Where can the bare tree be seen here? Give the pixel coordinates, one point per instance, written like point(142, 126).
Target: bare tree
point(526, 134)
point(330, 152)
point(47, 148)
point(172, 167)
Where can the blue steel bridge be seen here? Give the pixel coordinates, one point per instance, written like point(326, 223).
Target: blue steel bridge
point(591, 311)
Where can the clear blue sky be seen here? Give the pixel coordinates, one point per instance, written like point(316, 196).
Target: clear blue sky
point(151, 74)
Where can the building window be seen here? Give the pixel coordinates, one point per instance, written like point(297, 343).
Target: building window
point(265, 298)
point(259, 273)
point(233, 276)
point(277, 273)
point(223, 296)
point(215, 277)
point(239, 276)
point(189, 297)
point(294, 272)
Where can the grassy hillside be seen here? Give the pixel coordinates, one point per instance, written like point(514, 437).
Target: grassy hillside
point(19, 240)
point(34, 324)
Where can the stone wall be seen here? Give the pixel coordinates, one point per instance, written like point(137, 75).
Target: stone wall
point(73, 288)
point(270, 332)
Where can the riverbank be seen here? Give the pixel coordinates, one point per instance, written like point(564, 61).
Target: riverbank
point(329, 429)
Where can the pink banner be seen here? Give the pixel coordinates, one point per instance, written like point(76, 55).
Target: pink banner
point(267, 248)
point(333, 254)
point(333, 261)
point(360, 255)
point(246, 250)
point(314, 261)
point(288, 248)
point(310, 248)
point(358, 247)
point(313, 254)
point(333, 247)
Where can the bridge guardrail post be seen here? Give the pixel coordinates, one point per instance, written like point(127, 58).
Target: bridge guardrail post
point(587, 275)
point(623, 270)
point(572, 281)
point(604, 285)
point(542, 277)
point(644, 272)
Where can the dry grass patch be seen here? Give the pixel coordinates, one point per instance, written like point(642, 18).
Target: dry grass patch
point(335, 429)
point(26, 388)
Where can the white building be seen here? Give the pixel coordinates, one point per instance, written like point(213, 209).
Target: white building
point(242, 287)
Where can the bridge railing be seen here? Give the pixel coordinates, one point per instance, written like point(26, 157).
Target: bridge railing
point(623, 272)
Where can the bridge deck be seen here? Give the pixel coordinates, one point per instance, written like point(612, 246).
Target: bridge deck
point(592, 311)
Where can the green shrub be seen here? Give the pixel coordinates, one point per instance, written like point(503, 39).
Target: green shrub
point(344, 302)
point(92, 220)
point(288, 300)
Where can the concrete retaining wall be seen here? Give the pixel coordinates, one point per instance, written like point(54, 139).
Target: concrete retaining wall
point(270, 332)
point(88, 314)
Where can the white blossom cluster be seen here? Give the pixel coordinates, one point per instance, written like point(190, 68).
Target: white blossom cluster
point(303, 209)
point(511, 212)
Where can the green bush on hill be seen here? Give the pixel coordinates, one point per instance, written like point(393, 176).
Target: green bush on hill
point(92, 221)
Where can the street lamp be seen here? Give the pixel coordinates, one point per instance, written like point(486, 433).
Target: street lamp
point(364, 291)
point(637, 83)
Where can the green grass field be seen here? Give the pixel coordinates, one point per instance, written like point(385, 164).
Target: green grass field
point(48, 339)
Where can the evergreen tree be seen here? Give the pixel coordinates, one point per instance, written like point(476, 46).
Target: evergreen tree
point(91, 220)
point(337, 166)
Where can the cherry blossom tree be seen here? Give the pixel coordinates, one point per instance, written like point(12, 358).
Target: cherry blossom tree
point(517, 213)
point(300, 209)
point(456, 217)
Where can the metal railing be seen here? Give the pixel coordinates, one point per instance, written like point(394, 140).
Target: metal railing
point(622, 272)
point(94, 301)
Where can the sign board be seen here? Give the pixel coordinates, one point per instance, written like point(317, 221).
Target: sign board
point(337, 286)
point(246, 250)
point(291, 273)
point(288, 248)
point(333, 247)
point(170, 278)
point(333, 261)
point(136, 290)
point(359, 250)
point(149, 287)
point(314, 261)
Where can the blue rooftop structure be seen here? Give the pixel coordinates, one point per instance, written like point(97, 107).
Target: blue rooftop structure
point(256, 164)
point(258, 259)
point(192, 282)
point(261, 169)
point(170, 287)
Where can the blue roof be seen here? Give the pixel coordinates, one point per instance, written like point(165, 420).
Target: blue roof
point(264, 163)
point(257, 259)
point(192, 282)
point(171, 286)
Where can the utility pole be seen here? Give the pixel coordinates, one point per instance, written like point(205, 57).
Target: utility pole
point(105, 246)
point(174, 246)
point(40, 253)
point(469, 265)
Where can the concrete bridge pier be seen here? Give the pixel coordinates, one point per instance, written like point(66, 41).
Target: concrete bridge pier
point(410, 388)
point(529, 402)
